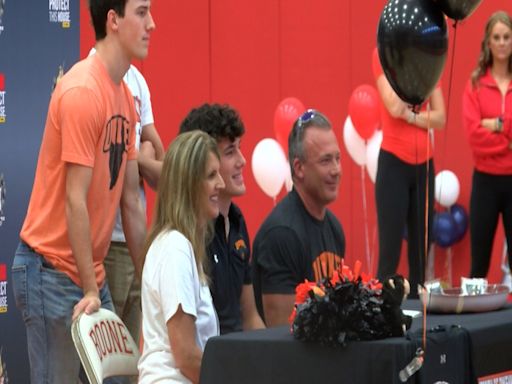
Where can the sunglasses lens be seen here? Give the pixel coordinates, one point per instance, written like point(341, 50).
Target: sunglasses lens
point(306, 116)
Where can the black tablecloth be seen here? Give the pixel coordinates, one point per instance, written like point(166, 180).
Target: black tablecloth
point(274, 356)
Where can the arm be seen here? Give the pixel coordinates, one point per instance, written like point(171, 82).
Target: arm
point(150, 161)
point(482, 139)
point(78, 179)
point(181, 329)
point(133, 215)
point(278, 308)
point(250, 317)
point(281, 258)
point(397, 108)
point(436, 117)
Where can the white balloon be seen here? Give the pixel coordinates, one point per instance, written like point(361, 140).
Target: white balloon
point(288, 181)
point(372, 154)
point(269, 166)
point(447, 188)
point(356, 147)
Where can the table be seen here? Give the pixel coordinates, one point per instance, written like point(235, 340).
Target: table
point(274, 356)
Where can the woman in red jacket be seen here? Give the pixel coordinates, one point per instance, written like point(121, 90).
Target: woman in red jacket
point(487, 113)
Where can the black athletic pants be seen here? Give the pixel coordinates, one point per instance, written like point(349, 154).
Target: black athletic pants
point(400, 191)
point(490, 196)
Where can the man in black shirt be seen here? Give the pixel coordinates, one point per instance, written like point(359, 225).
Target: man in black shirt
point(229, 251)
point(300, 239)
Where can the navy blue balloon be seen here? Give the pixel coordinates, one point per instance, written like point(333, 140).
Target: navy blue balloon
point(444, 229)
point(412, 41)
point(460, 216)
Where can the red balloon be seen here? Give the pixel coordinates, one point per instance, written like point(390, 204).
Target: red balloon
point(363, 108)
point(285, 115)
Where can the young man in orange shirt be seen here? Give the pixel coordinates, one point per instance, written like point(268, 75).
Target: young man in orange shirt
point(87, 166)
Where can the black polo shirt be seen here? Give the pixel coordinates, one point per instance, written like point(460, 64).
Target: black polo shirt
point(229, 269)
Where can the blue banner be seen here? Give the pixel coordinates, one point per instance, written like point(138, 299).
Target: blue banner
point(38, 41)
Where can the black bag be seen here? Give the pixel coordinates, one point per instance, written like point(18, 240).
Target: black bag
point(447, 358)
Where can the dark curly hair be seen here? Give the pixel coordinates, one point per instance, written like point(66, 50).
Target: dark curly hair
point(219, 121)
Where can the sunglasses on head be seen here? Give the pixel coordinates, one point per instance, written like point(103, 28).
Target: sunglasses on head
point(306, 117)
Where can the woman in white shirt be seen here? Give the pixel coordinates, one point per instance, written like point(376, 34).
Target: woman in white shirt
point(177, 308)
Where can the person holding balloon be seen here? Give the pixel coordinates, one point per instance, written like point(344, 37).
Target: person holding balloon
point(301, 238)
point(487, 114)
point(404, 187)
point(229, 251)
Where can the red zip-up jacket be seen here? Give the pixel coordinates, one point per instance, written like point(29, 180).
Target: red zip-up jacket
point(491, 150)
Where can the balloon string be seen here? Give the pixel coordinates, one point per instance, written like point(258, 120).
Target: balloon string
point(448, 266)
point(365, 218)
point(424, 336)
point(425, 253)
point(448, 100)
point(373, 249)
point(448, 104)
point(427, 202)
point(450, 81)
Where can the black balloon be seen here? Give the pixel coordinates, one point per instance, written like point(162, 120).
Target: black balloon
point(412, 41)
point(457, 9)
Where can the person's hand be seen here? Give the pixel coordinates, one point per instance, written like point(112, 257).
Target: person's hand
point(489, 124)
point(408, 115)
point(90, 303)
point(396, 289)
point(400, 110)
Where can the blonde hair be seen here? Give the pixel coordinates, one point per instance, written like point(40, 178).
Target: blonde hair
point(181, 192)
point(485, 58)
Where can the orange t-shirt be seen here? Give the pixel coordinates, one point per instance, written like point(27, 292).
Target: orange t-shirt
point(90, 122)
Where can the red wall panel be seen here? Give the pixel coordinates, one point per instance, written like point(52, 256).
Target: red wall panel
point(244, 62)
point(253, 54)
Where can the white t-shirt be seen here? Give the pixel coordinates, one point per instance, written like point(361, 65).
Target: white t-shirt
point(140, 91)
point(169, 278)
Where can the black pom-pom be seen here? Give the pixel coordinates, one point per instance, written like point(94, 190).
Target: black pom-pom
point(351, 310)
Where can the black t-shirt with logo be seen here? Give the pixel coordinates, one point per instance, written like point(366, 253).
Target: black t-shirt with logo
point(291, 245)
point(229, 269)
